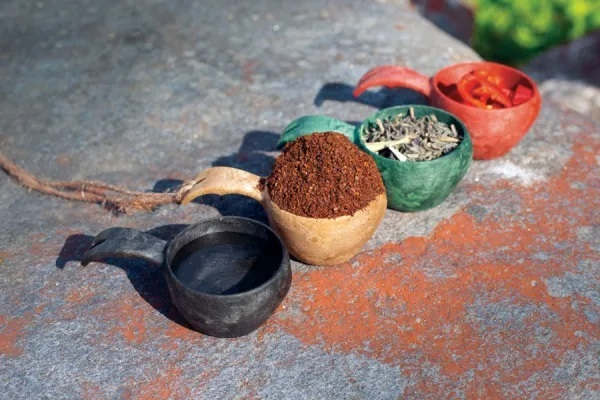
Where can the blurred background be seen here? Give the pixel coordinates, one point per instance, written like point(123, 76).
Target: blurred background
point(513, 31)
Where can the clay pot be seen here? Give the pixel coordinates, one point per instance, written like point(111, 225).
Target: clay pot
point(494, 132)
point(410, 186)
point(316, 241)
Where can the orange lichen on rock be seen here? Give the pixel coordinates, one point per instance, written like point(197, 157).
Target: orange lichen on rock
point(470, 301)
point(126, 318)
point(11, 329)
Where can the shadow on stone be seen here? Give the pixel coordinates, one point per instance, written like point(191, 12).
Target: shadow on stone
point(146, 279)
point(252, 156)
point(383, 98)
point(73, 250)
point(166, 185)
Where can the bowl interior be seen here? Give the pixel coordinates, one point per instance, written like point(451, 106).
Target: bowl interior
point(419, 111)
point(225, 256)
point(453, 74)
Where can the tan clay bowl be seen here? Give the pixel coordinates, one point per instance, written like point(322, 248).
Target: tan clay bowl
point(315, 241)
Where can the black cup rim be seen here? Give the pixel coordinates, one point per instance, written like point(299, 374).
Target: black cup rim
point(284, 263)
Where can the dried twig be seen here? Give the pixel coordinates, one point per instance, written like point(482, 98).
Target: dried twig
point(113, 197)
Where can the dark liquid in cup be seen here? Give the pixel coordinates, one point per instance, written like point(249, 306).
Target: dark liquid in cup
point(226, 262)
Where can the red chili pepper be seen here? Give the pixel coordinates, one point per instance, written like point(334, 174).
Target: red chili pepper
point(466, 86)
point(492, 84)
point(478, 90)
point(493, 79)
point(483, 93)
point(521, 95)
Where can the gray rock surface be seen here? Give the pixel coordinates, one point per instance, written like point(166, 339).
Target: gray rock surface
point(491, 294)
point(570, 75)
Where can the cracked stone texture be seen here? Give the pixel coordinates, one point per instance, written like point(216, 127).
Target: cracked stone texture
point(493, 294)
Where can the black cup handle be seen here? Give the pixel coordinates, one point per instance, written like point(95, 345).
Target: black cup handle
point(125, 243)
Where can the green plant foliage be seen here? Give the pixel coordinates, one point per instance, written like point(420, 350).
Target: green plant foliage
point(513, 31)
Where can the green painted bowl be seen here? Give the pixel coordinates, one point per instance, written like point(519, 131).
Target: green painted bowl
point(410, 185)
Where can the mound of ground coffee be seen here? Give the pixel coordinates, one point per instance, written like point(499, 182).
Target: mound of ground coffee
point(323, 175)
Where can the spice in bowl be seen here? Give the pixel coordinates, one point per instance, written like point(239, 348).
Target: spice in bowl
point(485, 89)
point(323, 175)
point(407, 138)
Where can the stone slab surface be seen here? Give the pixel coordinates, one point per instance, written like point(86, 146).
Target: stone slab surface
point(493, 294)
point(571, 75)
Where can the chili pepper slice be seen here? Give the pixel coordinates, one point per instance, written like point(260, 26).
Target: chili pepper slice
point(465, 88)
point(495, 91)
point(521, 95)
point(483, 93)
point(497, 80)
point(481, 79)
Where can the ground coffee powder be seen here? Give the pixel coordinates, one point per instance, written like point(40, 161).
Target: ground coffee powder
point(323, 175)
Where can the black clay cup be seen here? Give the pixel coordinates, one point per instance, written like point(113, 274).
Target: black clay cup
point(225, 275)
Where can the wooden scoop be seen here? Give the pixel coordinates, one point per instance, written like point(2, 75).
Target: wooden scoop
point(316, 241)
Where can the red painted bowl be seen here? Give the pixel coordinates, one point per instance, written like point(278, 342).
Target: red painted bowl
point(493, 131)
